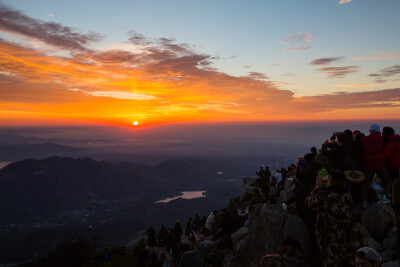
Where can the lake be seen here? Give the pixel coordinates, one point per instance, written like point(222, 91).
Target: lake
point(3, 164)
point(185, 195)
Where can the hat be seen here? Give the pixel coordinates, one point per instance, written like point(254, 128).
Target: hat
point(375, 128)
point(354, 176)
point(369, 254)
point(355, 132)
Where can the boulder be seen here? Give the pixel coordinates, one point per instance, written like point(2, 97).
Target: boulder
point(287, 192)
point(295, 228)
point(248, 189)
point(370, 240)
point(378, 219)
point(233, 205)
point(388, 255)
point(239, 235)
point(390, 241)
point(247, 181)
point(269, 226)
point(204, 248)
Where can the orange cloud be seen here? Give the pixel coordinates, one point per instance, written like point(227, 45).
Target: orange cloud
point(163, 81)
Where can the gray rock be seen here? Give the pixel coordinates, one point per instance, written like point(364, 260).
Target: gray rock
point(370, 240)
point(203, 248)
point(296, 229)
point(390, 242)
point(287, 192)
point(395, 263)
point(269, 226)
point(233, 204)
point(378, 219)
point(388, 255)
point(240, 233)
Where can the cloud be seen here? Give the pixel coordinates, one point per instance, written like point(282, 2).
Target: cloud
point(338, 72)
point(347, 100)
point(386, 73)
point(345, 1)
point(326, 61)
point(376, 58)
point(297, 41)
point(257, 75)
point(354, 85)
point(160, 78)
point(121, 95)
point(382, 55)
point(54, 34)
point(50, 15)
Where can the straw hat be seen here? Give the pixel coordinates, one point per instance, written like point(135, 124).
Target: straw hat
point(354, 176)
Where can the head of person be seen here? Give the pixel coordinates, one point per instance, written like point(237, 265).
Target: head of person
point(342, 139)
point(368, 257)
point(349, 135)
point(355, 132)
point(336, 178)
point(375, 129)
point(358, 138)
point(309, 158)
point(386, 132)
point(313, 150)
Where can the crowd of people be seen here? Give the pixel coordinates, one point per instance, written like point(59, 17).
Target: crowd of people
point(179, 244)
point(350, 168)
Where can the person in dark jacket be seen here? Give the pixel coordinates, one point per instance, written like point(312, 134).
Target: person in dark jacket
point(311, 168)
point(178, 230)
point(151, 237)
point(391, 144)
point(373, 146)
point(300, 193)
point(339, 153)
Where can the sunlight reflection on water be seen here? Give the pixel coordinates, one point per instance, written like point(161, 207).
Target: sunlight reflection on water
point(185, 195)
point(3, 164)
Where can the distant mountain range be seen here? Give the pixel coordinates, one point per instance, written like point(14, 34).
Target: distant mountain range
point(43, 202)
point(20, 151)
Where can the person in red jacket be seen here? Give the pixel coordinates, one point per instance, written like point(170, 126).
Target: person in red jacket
point(373, 146)
point(391, 144)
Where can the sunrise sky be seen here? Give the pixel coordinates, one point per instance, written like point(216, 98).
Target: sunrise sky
point(156, 61)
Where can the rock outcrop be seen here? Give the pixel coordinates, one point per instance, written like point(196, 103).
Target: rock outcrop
point(378, 219)
point(270, 225)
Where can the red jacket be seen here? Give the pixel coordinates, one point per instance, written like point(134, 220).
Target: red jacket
point(392, 151)
point(373, 146)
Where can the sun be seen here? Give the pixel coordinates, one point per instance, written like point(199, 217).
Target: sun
point(135, 123)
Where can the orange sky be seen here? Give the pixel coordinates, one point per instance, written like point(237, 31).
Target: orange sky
point(50, 81)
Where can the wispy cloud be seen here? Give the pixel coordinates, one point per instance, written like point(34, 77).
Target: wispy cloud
point(121, 95)
point(381, 55)
point(359, 85)
point(386, 73)
point(345, 1)
point(257, 75)
point(297, 41)
point(55, 34)
point(326, 61)
point(159, 77)
point(338, 72)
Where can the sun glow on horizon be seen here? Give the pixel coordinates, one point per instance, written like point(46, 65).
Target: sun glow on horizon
point(135, 123)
